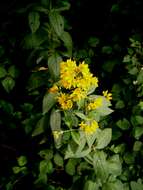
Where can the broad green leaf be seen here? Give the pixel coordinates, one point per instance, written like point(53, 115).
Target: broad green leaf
point(34, 21)
point(70, 166)
point(140, 77)
point(56, 21)
point(107, 50)
point(103, 138)
point(116, 185)
point(137, 146)
point(133, 71)
point(13, 71)
point(123, 124)
point(16, 169)
point(120, 104)
point(8, 84)
point(22, 160)
point(3, 72)
point(120, 148)
point(55, 120)
point(100, 165)
point(81, 115)
point(48, 101)
point(129, 158)
point(138, 132)
point(54, 65)
point(39, 129)
point(136, 186)
point(33, 41)
point(58, 160)
point(46, 154)
point(75, 136)
point(45, 167)
point(114, 165)
point(66, 38)
point(139, 119)
point(93, 41)
point(91, 138)
point(90, 185)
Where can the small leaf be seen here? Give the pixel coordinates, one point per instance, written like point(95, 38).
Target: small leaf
point(139, 119)
point(66, 38)
point(138, 132)
point(136, 186)
point(93, 41)
point(55, 120)
point(16, 169)
point(39, 129)
point(104, 138)
point(8, 84)
point(48, 101)
point(137, 146)
point(91, 185)
point(123, 124)
point(70, 167)
point(58, 160)
point(46, 167)
point(3, 72)
point(120, 104)
point(56, 21)
point(22, 160)
point(34, 21)
point(107, 50)
point(54, 65)
point(13, 72)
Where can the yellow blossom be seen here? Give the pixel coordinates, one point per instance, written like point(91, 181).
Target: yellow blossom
point(78, 94)
point(65, 101)
point(95, 104)
point(89, 128)
point(107, 95)
point(53, 89)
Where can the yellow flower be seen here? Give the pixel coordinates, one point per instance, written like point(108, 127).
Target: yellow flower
point(95, 104)
point(65, 101)
point(78, 94)
point(53, 89)
point(107, 95)
point(89, 128)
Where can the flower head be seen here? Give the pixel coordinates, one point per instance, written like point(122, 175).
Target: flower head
point(89, 128)
point(65, 101)
point(107, 95)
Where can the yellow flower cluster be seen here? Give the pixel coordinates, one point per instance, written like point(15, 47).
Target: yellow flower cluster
point(107, 95)
point(73, 76)
point(95, 104)
point(89, 128)
point(77, 80)
point(65, 101)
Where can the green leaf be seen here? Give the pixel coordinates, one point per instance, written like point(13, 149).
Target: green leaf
point(136, 186)
point(8, 84)
point(48, 101)
point(58, 160)
point(90, 185)
point(140, 77)
point(117, 185)
point(107, 50)
point(45, 167)
point(66, 38)
point(56, 21)
point(93, 41)
point(100, 165)
point(123, 124)
point(16, 169)
point(137, 146)
point(70, 166)
point(46, 154)
point(115, 8)
point(138, 132)
point(22, 160)
point(129, 158)
point(139, 119)
point(120, 104)
point(39, 129)
point(3, 72)
point(55, 120)
point(13, 72)
point(114, 165)
point(54, 65)
point(103, 138)
point(133, 71)
point(34, 21)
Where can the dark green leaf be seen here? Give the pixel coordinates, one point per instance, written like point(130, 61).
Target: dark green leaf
point(48, 101)
point(3, 72)
point(34, 21)
point(58, 160)
point(8, 84)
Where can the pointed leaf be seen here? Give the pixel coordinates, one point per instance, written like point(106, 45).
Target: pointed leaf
point(48, 101)
point(34, 21)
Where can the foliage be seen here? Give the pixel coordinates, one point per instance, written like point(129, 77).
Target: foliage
point(56, 131)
